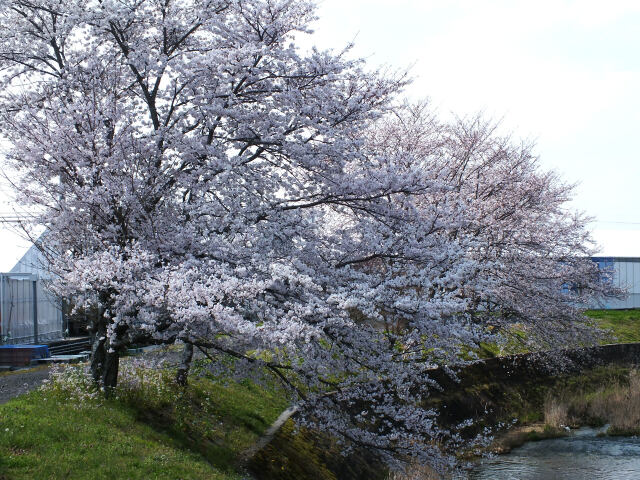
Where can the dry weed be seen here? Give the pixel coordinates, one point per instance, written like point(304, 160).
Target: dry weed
point(617, 405)
point(556, 412)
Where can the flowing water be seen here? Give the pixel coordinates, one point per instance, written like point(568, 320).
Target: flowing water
point(582, 455)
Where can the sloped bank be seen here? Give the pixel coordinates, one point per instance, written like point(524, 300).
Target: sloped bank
point(299, 454)
point(510, 391)
point(502, 389)
point(207, 426)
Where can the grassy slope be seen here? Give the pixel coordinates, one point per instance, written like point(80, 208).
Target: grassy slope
point(194, 434)
point(298, 454)
point(42, 438)
point(623, 324)
point(620, 326)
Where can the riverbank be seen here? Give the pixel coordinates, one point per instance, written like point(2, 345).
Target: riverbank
point(60, 432)
point(616, 326)
point(533, 407)
point(605, 397)
point(616, 404)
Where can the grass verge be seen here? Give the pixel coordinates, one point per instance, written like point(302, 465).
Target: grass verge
point(151, 430)
point(618, 326)
point(623, 325)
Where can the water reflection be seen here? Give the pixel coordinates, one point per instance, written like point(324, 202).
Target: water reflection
point(582, 455)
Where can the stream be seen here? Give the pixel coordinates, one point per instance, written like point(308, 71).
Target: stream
point(582, 455)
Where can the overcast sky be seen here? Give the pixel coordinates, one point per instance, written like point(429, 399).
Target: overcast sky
point(564, 73)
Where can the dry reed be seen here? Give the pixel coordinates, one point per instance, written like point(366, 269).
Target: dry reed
point(617, 405)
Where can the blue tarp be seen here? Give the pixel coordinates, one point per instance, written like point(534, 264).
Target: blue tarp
point(37, 351)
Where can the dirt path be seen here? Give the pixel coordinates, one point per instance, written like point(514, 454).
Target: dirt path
point(16, 383)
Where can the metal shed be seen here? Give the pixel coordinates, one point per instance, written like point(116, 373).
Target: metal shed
point(29, 313)
point(626, 274)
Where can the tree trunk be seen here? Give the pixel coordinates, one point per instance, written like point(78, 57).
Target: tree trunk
point(98, 349)
point(185, 365)
point(105, 353)
point(110, 369)
point(113, 348)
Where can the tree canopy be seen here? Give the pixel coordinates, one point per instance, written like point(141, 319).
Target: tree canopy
point(206, 181)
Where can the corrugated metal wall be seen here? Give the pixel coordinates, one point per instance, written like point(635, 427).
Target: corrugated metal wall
point(18, 309)
point(626, 275)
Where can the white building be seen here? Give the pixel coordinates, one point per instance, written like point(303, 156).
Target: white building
point(28, 312)
point(626, 275)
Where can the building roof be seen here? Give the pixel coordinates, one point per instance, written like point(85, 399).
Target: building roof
point(12, 248)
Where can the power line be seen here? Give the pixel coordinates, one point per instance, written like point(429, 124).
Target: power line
point(16, 217)
point(619, 223)
point(11, 220)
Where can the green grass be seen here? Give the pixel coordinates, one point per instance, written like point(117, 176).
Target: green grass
point(619, 326)
point(42, 437)
point(154, 429)
point(167, 433)
point(623, 325)
point(515, 343)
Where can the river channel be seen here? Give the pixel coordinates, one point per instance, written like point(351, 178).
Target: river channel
point(582, 455)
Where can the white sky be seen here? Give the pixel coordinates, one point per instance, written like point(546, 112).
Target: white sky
point(12, 244)
point(562, 72)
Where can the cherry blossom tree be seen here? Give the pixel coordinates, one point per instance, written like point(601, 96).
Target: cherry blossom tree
point(205, 181)
point(528, 253)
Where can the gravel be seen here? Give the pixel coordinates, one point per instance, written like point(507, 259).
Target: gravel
point(19, 382)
